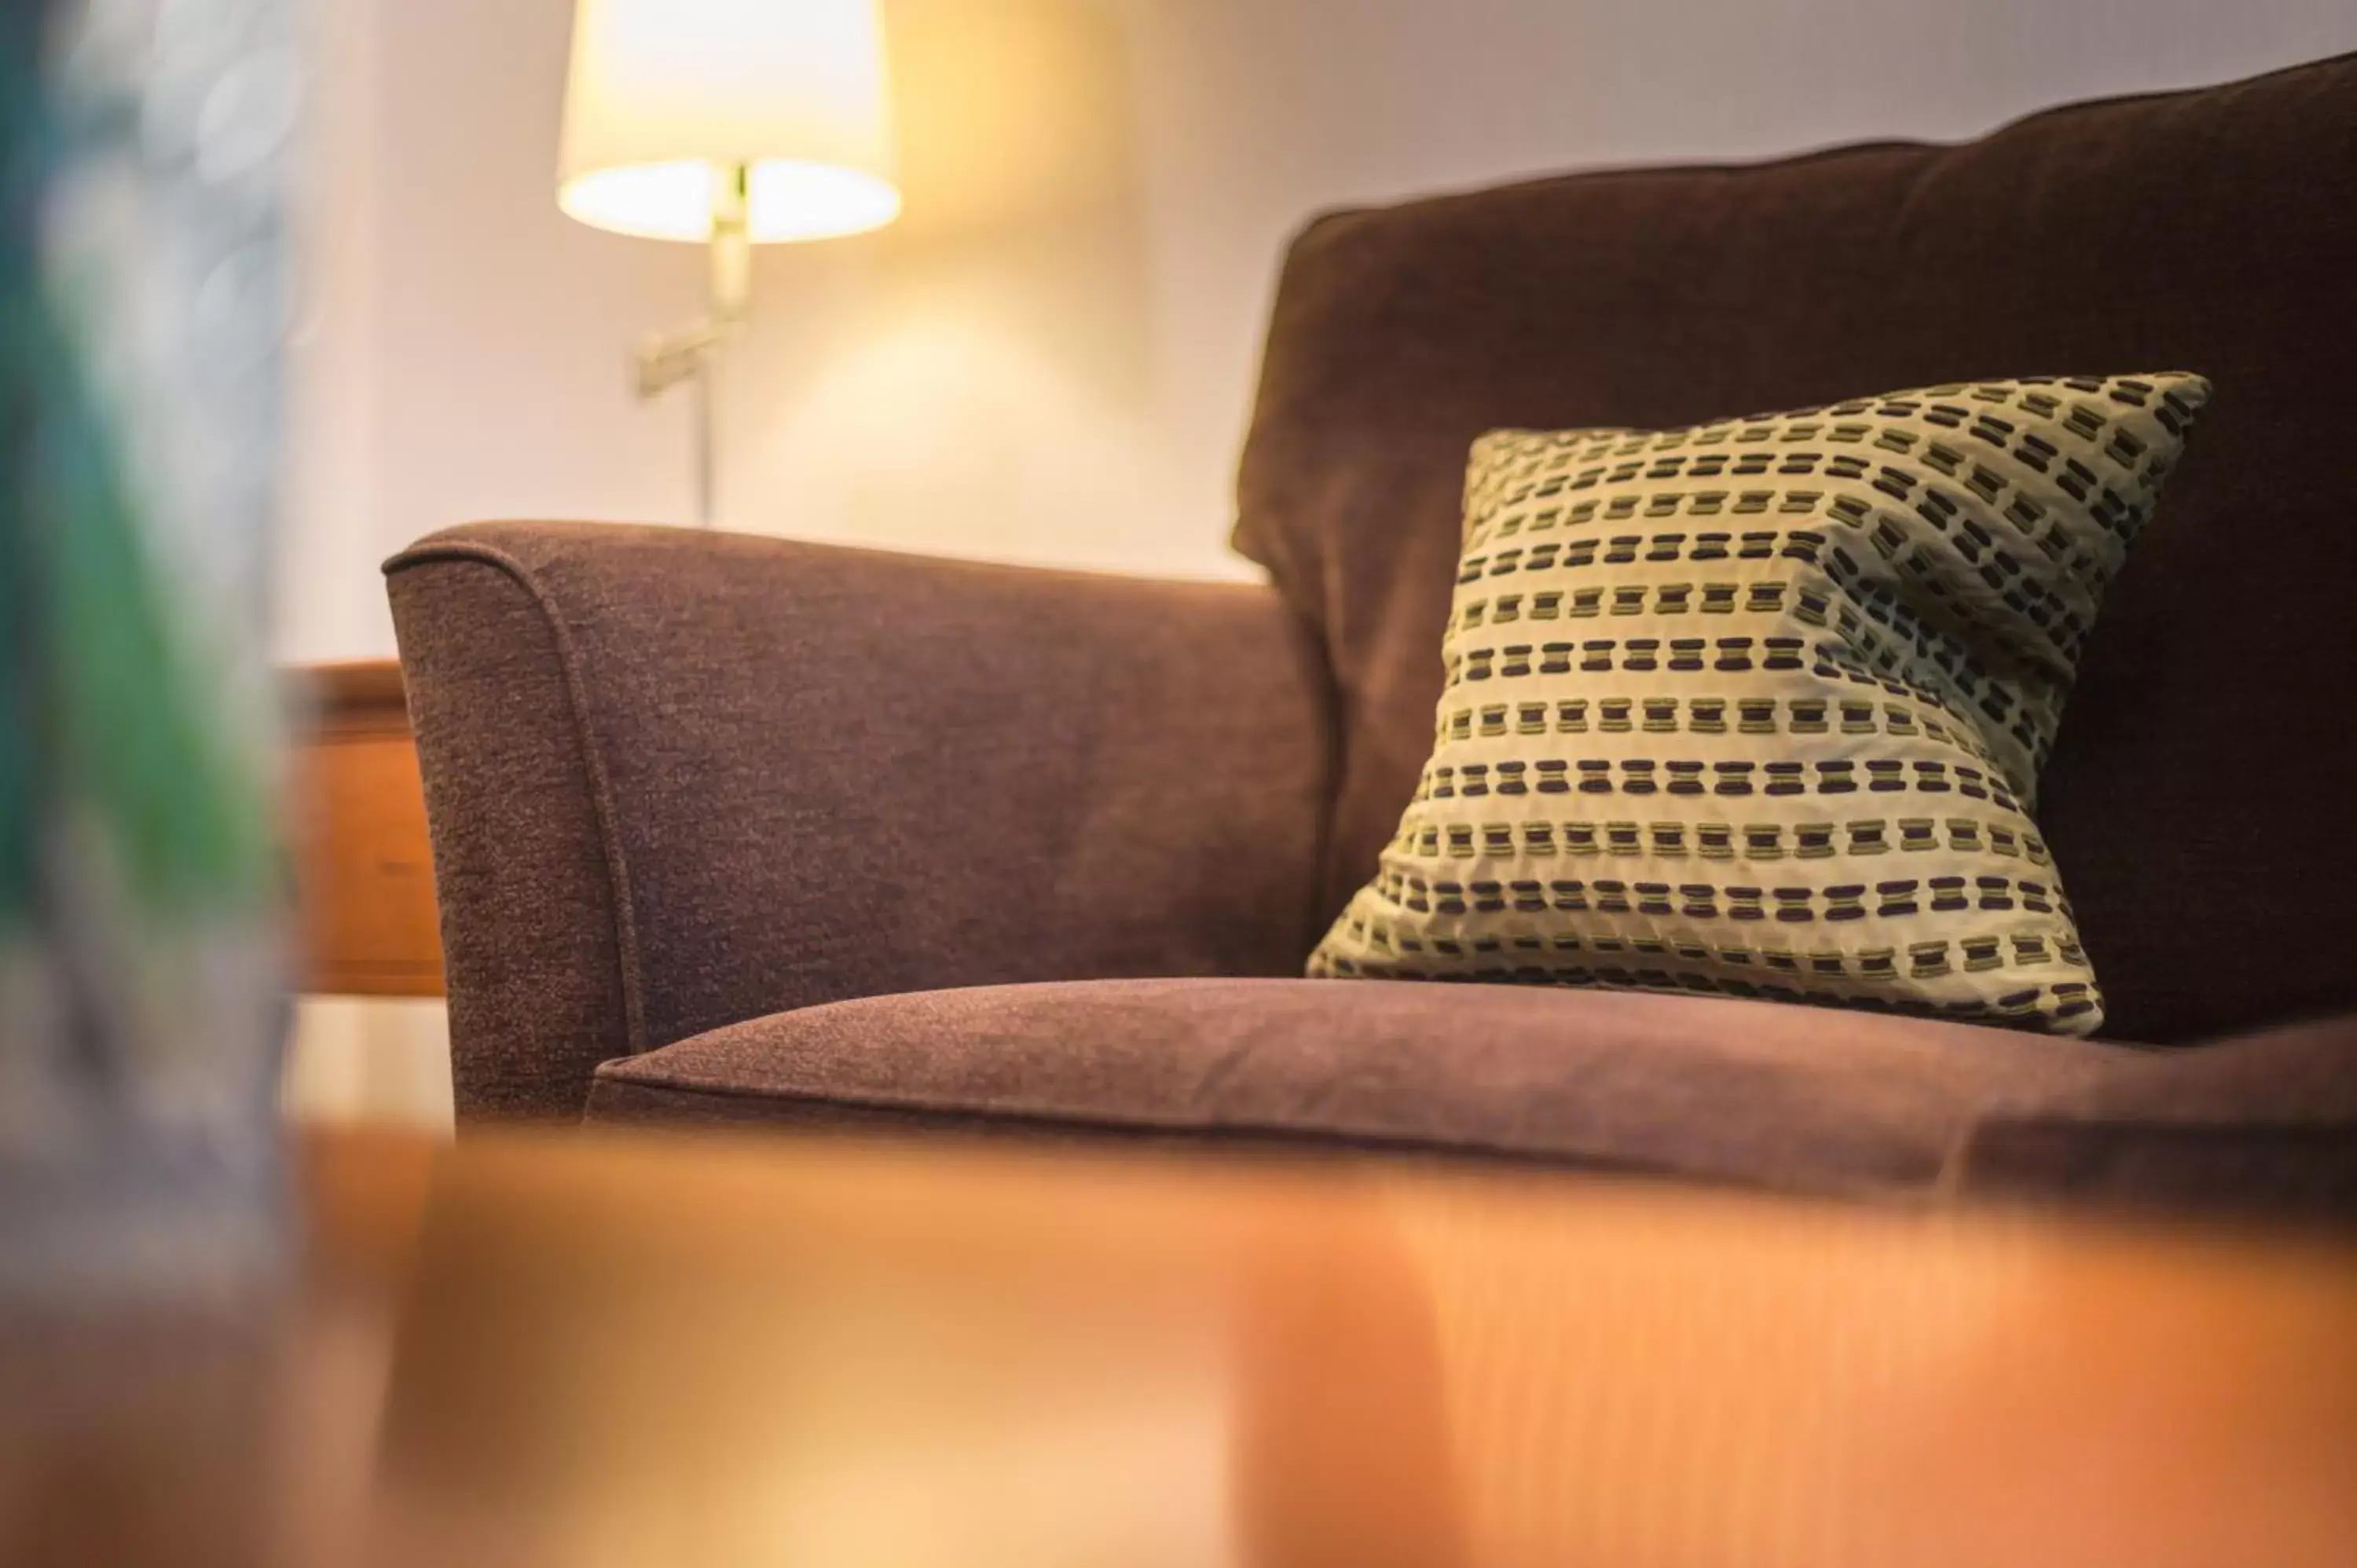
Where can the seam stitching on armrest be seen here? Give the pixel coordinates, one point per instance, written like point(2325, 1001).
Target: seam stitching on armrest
point(601, 800)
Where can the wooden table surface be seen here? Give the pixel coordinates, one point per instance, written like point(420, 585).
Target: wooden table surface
point(355, 809)
point(572, 1350)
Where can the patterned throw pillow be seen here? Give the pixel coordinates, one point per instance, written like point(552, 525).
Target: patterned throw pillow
point(1757, 708)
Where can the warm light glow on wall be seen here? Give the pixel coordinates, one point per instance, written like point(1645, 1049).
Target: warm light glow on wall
point(664, 91)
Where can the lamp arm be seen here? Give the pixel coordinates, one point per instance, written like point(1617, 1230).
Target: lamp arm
point(668, 359)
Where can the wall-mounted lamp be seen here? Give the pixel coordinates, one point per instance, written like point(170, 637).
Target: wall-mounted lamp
point(732, 122)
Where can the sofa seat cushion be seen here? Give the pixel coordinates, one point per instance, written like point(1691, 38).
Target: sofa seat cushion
point(1794, 1098)
point(2266, 1124)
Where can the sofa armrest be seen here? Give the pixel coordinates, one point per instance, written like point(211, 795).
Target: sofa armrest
point(677, 779)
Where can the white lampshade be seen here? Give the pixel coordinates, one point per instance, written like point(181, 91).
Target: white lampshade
point(662, 92)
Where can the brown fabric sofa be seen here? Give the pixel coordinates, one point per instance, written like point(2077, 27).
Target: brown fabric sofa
point(732, 828)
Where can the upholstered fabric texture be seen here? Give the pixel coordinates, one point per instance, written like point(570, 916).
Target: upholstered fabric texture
point(2194, 774)
point(1786, 1097)
point(1757, 707)
point(2267, 1122)
point(1794, 1098)
point(679, 779)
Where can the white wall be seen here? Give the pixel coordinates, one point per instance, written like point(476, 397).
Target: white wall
point(1050, 357)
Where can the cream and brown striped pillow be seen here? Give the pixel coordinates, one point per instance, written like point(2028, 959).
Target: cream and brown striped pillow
point(1757, 708)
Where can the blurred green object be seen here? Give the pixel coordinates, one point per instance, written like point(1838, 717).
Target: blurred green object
point(142, 1000)
point(99, 712)
point(110, 720)
point(21, 145)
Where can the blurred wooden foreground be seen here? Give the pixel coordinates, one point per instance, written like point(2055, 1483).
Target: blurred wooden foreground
point(565, 1349)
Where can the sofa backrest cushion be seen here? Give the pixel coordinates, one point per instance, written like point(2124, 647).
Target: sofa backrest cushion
point(2198, 799)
